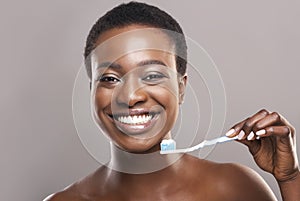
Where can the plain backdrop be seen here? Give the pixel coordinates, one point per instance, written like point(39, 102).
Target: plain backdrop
point(255, 45)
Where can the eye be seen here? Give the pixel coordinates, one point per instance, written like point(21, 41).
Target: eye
point(109, 79)
point(154, 77)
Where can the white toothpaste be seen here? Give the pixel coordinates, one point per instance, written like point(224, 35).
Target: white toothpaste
point(167, 144)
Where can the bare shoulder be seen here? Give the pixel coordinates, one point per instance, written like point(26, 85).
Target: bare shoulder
point(241, 182)
point(65, 195)
point(82, 190)
point(229, 181)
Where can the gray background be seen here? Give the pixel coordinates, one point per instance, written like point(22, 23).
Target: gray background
point(255, 45)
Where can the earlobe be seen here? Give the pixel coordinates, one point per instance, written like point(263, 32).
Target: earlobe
point(181, 99)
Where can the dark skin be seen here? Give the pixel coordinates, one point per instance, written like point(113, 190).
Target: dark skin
point(275, 151)
point(190, 178)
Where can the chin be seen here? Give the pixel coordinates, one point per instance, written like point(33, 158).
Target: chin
point(139, 146)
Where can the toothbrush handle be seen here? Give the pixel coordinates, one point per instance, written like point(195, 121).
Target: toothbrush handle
point(201, 145)
point(216, 141)
point(226, 139)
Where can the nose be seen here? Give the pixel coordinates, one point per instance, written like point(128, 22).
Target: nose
point(131, 93)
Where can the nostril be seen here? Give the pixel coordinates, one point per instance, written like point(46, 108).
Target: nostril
point(131, 99)
point(130, 91)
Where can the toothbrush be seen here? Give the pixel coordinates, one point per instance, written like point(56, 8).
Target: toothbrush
point(169, 146)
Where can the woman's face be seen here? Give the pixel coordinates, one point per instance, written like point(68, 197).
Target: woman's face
point(135, 87)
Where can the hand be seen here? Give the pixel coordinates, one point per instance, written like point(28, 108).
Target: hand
point(272, 142)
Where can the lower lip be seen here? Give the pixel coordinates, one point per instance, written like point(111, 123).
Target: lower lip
point(136, 129)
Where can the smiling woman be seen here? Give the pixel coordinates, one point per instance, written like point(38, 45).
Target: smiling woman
point(137, 94)
point(137, 71)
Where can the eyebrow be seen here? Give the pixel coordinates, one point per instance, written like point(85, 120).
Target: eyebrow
point(142, 63)
point(152, 61)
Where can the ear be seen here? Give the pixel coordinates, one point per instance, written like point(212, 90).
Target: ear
point(182, 85)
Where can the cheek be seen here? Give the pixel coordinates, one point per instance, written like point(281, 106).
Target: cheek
point(169, 101)
point(165, 96)
point(102, 98)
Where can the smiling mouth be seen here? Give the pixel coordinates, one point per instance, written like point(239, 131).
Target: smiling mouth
point(137, 119)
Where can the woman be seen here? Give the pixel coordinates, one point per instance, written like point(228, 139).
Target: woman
point(137, 83)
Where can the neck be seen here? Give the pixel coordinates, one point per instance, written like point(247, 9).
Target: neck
point(134, 163)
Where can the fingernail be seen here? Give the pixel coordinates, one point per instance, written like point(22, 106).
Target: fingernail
point(230, 132)
point(250, 136)
point(241, 135)
point(261, 132)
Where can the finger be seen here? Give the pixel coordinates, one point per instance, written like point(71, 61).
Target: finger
point(292, 129)
point(274, 119)
point(252, 136)
point(283, 136)
point(280, 131)
point(235, 130)
point(250, 123)
point(253, 145)
point(285, 122)
point(269, 120)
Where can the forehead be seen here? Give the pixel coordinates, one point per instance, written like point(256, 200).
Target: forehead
point(116, 43)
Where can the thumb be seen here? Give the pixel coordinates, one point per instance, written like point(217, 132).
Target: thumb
point(253, 145)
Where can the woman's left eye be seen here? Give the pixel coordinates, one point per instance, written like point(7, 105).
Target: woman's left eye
point(152, 77)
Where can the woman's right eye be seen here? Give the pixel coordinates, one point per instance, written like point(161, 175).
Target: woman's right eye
point(109, 79)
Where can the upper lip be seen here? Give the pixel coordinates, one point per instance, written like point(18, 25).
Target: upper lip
point(132, 112)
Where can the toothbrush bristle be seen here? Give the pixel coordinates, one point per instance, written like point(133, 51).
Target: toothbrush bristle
point(168, 145)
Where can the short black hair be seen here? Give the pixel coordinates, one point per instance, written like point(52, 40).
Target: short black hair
point(137, 13)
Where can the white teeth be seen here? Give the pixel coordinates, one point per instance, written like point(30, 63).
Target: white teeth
point(136, 119)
